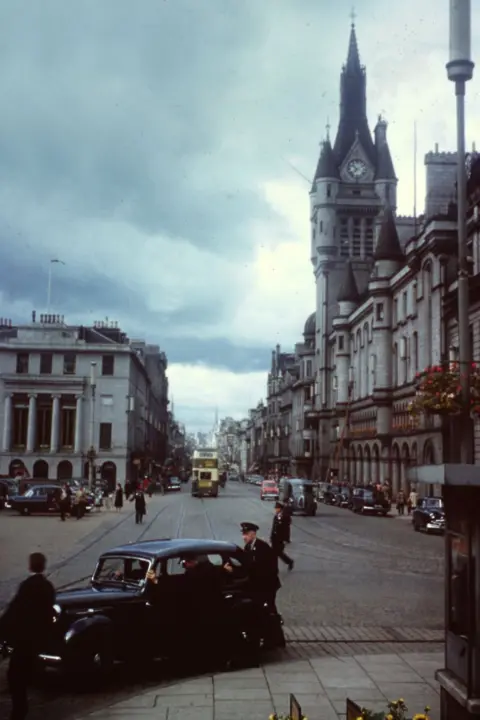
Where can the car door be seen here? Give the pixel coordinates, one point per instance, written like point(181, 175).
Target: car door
point(37, 503)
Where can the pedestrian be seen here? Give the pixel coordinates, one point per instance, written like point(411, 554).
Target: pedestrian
point(412, 500)
point(140, 506)
point(118, 498)
point(64, 503)
point(280, 535)
point(25, 626)
point(107, 504)
point(401, 502)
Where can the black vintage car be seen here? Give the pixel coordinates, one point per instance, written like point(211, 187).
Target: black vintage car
point(343, 498)
point(117, 618)
point(43, 499)
point(370, 501)
point(330, 494)
point(429, 515)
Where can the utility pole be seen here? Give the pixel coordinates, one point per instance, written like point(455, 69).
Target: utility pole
point(92, 452)
point(460, 70)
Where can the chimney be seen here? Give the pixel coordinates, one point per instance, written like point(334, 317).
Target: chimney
point(34, 316)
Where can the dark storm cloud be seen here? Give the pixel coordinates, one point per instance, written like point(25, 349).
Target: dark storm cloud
point(114, 112)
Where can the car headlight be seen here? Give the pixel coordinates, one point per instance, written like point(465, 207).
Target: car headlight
point(57, 609)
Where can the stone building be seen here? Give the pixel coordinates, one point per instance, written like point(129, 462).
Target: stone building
point(74, 397)
point(386, 310)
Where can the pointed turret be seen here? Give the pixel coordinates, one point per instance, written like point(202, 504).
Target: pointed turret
point(326, 167)
point(385, 169)
point(388, 245)
point(348, 292)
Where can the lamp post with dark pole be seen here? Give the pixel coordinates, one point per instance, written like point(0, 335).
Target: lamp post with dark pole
point(92, 452)
point(459, 70)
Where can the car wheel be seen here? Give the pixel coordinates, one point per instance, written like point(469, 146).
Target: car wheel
point(97, 659)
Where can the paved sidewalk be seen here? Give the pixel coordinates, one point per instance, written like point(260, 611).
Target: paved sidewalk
point(321, 686)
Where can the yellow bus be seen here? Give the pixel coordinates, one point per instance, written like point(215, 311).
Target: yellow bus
point(205, 472)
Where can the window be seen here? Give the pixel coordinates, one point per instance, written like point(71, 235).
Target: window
point(344, 238)
point(46, 361)
point(414, 296)
point(357, 238)
point(415, 352)
point(69, 363)
point(120, 569)
point(395, 311)
point(20, 424)
point(108, 364)
point(309, 368)
point(67, 422)
point(395, 365)
point(340, 342)
point(22, 363)
point(368, 237)
point(44, 422)
point(105, 440)
point(405, 305)
point(329, 190)
point(321, 226)
point(379, 312)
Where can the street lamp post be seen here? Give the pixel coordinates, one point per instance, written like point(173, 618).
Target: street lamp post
point(459, 70)
point(92, 452)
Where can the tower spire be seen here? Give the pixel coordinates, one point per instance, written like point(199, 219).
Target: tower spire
point(353, 57)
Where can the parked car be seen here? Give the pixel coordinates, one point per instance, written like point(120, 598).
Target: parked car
point(299, 495)
point(343, 498)
point(43, 499)
point(429, 515)
point(174, 483)
point(269, 490)
point(330, 493)
point(117, 617)
point(370, 500)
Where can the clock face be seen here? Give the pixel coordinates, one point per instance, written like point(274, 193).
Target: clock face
point(356, 169)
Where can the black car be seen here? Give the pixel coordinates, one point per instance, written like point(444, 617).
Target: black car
point(429, 515)
point(43, 499)
point(343, 498)
point(116, 619)
point(370, 500)
point(330, 493)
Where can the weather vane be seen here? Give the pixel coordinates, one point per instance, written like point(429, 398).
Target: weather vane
point(353, 16)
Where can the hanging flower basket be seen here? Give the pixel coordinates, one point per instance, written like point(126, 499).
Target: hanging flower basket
point(439, 391)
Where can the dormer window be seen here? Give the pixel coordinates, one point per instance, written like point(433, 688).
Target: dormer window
point(329, 190)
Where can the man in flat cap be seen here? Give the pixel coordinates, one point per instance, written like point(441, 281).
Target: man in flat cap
point(263, 565)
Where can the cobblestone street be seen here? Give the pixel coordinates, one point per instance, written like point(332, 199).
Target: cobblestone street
point(360, 584)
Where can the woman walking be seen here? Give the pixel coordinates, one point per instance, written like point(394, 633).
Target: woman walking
point(118, 498)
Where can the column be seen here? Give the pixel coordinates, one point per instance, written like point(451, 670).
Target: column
point(78, 424)
point(55, 431)
point(32, 421)
point(7, 423)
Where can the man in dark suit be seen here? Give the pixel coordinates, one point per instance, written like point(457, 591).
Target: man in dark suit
point(280, 535)
point(263, 565)
point(25, 626)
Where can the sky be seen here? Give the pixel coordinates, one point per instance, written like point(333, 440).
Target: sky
point(163, 150)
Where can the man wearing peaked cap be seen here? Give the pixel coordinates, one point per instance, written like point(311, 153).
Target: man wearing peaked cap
point(263, 565)
point(248, 527)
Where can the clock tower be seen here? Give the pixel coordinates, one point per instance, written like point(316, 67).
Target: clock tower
point(353, 183)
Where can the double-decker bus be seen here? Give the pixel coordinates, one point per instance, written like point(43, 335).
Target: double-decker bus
point(205, 472)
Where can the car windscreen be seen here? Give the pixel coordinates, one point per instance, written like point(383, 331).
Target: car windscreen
point(368, 495)
point(433, 503)
point(121, 570)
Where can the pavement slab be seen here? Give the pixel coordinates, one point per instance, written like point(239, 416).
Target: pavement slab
point(321, 687)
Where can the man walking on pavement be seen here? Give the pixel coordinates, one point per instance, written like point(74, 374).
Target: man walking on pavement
point(25, 625)
point(280, 535)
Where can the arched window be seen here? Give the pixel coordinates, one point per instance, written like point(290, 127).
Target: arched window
point(427, 283)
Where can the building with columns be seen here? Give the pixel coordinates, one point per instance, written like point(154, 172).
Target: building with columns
point(77, 396)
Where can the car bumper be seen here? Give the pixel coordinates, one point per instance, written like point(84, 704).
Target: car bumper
point(435, 526)
point(270, 496)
